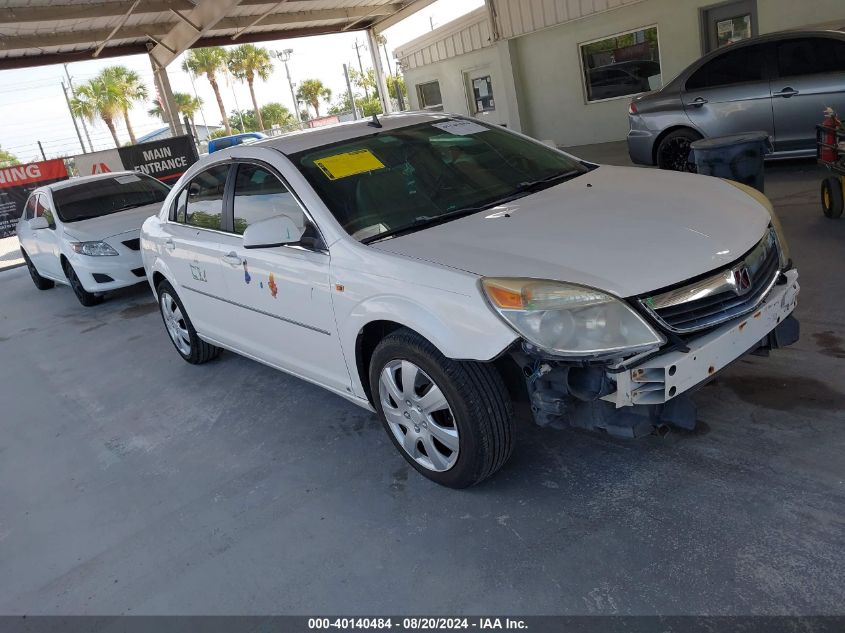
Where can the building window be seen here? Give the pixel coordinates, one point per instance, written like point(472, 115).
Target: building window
point(624, 64)
point(429, 95)
point(482, 92)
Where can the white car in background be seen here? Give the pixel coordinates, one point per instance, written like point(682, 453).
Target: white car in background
point(85, 232)
point(437, 270)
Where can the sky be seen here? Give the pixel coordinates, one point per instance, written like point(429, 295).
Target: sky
point(32, 107)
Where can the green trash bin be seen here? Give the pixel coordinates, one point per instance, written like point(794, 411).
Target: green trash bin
point(737, 157)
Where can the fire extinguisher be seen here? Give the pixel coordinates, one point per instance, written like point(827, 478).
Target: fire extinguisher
point(830, 124)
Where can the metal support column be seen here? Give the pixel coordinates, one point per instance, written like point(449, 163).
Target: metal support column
point(381, 82)
point(165, 93)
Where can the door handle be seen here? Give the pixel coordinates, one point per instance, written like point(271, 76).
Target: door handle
point(786, 93)
point(232, 259)
point(698, 102)
point(169, 245)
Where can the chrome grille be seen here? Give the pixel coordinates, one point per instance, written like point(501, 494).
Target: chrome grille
point(726, 295)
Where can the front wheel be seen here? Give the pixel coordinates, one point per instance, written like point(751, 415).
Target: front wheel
point(86, 298)
point(180, 329)
point(40, 282)
point(674, 150)
point(451, 420)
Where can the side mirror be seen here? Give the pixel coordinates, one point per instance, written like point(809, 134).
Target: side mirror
point(38, 223)
point(276, 231)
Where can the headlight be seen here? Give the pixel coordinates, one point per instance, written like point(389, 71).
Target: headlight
point(570, 320)
point(763, 200)
point(94, 249)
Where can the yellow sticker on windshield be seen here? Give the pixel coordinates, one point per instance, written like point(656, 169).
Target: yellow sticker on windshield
point(348, 164)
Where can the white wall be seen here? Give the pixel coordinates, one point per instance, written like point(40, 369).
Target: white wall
point(493, 60)
point(548, 68)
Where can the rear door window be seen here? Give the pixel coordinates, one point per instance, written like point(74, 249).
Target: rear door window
point(741, 65)
point(810, 56)
point(260, 195)
point(204, 207)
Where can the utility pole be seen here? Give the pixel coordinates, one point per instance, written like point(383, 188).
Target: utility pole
point(349, 88)
point(284, 57)
point(41, 147)
point(358, 48)
point(399, 97)
point(73, 118)
point(73, 94)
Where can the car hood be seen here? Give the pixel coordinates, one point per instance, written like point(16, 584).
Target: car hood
point(623, 230)
point(111, 225)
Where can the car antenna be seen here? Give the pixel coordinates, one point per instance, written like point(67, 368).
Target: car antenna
point(375, 122)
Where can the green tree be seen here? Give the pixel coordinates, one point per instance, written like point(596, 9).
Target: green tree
point(129, 87)
point(250, 123)
point(276, 114)
point(395, 82)
point(344, 103)
point(209, 61)
point(7, 159)
point(217, 133)
point(186, 105)
point(370, 106)
point(366, 80)
point(247, 62)
point(312, 91)
point(99, 97)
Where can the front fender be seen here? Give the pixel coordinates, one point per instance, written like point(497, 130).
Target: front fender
point(459, 326)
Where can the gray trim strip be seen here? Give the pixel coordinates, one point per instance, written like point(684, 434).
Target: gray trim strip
point(269, 314)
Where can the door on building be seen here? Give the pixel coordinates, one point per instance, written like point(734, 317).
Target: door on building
point(728, 23)
point(481, 102)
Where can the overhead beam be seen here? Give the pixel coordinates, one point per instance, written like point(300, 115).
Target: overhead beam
point(158, 30)
point(184, 34)
point(56, 11)
point(410, 8)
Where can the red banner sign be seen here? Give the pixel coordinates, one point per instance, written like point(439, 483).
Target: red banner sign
point(33, 172)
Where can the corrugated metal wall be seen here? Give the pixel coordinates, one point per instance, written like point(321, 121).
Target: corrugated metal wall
point(470, 34)
point(520, 17)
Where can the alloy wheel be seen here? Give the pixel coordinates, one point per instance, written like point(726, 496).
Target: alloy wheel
point(419, 416)
point(676, 155)
point(175, 323)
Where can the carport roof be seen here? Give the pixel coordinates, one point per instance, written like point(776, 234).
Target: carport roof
point(40, 32)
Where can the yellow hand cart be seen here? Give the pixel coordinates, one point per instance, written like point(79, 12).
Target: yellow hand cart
point(829, 142)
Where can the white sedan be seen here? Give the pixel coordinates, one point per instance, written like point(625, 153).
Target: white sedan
point(437, 270)
point(85, 232)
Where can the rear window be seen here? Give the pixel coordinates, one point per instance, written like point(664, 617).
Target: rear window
point(105, 196)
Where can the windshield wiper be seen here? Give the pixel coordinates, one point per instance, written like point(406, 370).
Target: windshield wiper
point(423, 222)
point(537, 185)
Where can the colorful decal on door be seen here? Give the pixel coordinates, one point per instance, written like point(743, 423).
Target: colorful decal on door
point(197, 272)
point(271, 284)
point(247, 277)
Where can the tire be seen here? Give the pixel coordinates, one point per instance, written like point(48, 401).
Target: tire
point(86, 298)
point(674, 148)
point(832, 198)
point(40, 282)
point(477, 419)
point(179, 328)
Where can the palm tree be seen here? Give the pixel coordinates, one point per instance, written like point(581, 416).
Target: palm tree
point(186, 105)
point(311, 91)
point(99, 98)
point(129, 87)
point(245, 63)
point(208, 62)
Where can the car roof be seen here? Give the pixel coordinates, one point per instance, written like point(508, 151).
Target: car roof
point(317, 137)
point(81, 180)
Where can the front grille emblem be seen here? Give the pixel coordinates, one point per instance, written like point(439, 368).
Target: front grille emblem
point(742, 279)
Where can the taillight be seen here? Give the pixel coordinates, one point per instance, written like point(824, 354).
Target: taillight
point(632, 109)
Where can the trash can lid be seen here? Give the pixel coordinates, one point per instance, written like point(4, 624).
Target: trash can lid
point(734, 139)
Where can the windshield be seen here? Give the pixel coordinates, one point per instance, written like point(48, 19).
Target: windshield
point(105, 196)
point(397, 181)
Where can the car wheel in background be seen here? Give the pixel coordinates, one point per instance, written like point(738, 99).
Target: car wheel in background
point(451, 420)
point(40, 282)
point(180, 329)
point(86, 298)
point(832, 198)
point(674, 150)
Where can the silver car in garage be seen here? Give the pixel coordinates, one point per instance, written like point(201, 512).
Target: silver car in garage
point(778, 83)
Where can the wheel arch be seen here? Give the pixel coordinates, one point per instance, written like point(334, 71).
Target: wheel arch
point(667, 132)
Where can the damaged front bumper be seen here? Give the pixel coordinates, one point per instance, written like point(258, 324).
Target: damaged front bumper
point(642, 394)
point(661, 378)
